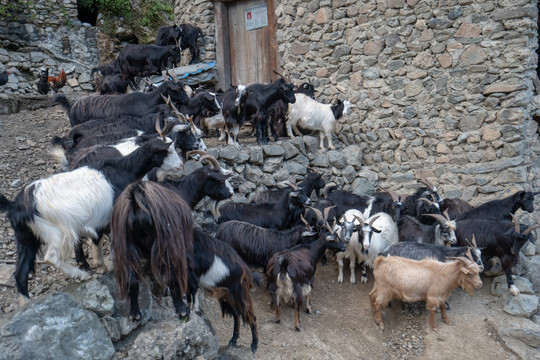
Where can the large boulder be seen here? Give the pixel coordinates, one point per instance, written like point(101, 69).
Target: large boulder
point(54, 327)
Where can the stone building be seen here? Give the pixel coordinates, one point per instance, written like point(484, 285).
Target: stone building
point(445, 88)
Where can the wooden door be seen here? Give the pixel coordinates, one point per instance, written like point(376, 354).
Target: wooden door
point(249, 55)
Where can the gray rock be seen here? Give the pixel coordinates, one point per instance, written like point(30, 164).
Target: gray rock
point(229, 153)
point(272, 150)
point(118, 324)
point(320, 160)
point(294, 167)
point(523, 330)
point(520, 305)
point(533, 264)
point(253, 173)
point(281, 175)
point(172, 339)
point(54, 327)
point(499, 286)
point(312, 144)
point(289, 150)
point(337, 159)
point(353, 155)
point(362, 186)
point(272, 164)
point(256, 155)
point(348, 173)
point(92, 295)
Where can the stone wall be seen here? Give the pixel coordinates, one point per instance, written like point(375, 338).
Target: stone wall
point(444, 88)
point(45, 33)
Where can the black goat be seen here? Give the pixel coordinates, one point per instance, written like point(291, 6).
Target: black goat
point(455, 207)
point(152, 222)
point(442, 232)
point(312, 182)
point(290, 274)
point(427, 192)
point(106, 106)
point(111, 84)
point(256, 244)
point(497, 239)
point(187, 34)
point(260, 98)
point(280, 215)
point(502, 209)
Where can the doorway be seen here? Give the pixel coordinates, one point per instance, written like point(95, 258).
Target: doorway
point(246, 44)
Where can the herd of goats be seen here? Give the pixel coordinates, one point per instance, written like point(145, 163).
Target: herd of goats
point(123, 161)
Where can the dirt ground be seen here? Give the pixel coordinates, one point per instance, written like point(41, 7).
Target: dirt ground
point(341, 325)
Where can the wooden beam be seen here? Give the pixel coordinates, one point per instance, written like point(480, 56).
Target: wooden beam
point(223, 60)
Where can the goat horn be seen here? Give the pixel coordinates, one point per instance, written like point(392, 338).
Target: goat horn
point(196, 152)
point(439, 217)
point(181, 117)
point(428, 201)
point(317, 212)
point(327, 211)
point(173, 75)
point(516, 222)
point(426, 182)
point(359, 220)
point(393, 194)
point(373, 220)
point(305, 222)
point(328, 227)
point(159, 129)
point(472, 243)
point(445, 212)
point(530, 229)
point(293, 185)
point(536, 193)
point(468, 254)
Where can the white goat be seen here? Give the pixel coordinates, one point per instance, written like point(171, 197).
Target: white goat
point(378, 232)
point(312, 115)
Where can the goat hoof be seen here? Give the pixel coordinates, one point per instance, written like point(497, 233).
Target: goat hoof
point(135, 317)
point(297, 328)
point(84, 266)
point(278, 321)
point(447, 306)
point(253, 349)
point(232, 343)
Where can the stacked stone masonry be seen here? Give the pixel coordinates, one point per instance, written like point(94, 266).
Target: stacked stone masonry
point(445, 88)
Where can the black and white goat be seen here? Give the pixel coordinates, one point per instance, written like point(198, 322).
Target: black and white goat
point(365, 240)
point(501, 240)
point(280, 215)
point(312, 115)
point(429, 191)
point(59, 210)
point(290, 274)
point(256, 244)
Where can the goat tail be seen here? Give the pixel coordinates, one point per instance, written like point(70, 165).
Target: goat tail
point(5, 204)
point(62, 100)
point(256, 278)
point(283, 263)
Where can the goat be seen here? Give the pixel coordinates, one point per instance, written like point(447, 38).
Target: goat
point(152, 222)
point(218, 269)
point(312, 182)
point(290, 274)
point(311, 114)
point(278, 110)
point(280, 215)
point(497, 239)
point(419, 251)
point(502, 209)
point(111, 84)
point(425, 192)
point(64, 207)
point(430, 280)
point(441, 233)
point(106, 106)
point(366, 239)
point(200, 103)
point(231, 116)
point(256, 244)
point(387, 201)
point(187, 34)
point(146, 59)
point(259, 99)
point(455, 207)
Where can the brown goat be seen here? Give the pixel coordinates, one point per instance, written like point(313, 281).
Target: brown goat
point(428, 280)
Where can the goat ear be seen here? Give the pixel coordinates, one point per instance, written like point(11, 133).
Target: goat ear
point(376, 230)
point(465, 270)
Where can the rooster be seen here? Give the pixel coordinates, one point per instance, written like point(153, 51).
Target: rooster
point(58, 82)
point(43, 82)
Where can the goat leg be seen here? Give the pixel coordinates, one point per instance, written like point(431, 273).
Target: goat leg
point(278, 313)
point(297, 315)
point(445, 317)
point(134, 310)
point(182, 310)
point(513, 288)
point(26, 255)
point(236, 330)
point(432, 319)
point(80, 258)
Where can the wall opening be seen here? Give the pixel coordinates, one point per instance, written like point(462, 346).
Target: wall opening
point(87, 14)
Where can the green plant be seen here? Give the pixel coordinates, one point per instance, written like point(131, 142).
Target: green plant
point(112, 7)
point(154, 11)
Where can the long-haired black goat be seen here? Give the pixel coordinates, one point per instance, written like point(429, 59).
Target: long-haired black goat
point(151, 222)
point(502, 209)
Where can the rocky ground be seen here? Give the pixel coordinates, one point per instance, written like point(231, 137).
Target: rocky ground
point(341, 326)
